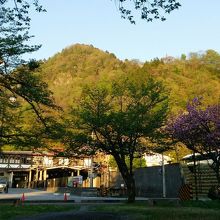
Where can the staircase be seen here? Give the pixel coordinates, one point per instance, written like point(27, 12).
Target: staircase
point(205, 179)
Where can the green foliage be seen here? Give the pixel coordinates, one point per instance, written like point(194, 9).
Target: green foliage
point(78, 65)
point(14, 32)
point(119, 114)
point(185, 78)
point(197, 75)
point(188, 78)
point(137, 162)
point(149, 9)
point(25, 101)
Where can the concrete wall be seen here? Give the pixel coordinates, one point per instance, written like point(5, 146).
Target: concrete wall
point(149, 181)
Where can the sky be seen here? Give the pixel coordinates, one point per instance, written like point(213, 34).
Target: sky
point(195, 27)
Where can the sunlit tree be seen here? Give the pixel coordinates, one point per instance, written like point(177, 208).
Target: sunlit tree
point(120, 115)
point(23, 93)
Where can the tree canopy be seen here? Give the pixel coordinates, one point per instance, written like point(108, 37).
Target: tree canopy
point(149, 9)
point(23, 93)
point(199, 129)
point(120, 115)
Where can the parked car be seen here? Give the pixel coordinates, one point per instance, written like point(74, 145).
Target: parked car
point(3, 185)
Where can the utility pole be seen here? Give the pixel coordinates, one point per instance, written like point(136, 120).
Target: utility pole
point(163, 177)
point(91, 174)
point(195, 174)
point(91, 167)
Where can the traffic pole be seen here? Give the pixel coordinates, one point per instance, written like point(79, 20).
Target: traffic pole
point(22, 199)
point(65, 197)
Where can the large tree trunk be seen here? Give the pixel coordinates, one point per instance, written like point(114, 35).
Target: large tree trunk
point(128, 178)
point(130, 183)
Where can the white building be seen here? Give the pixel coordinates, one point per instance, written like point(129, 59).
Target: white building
point(155, 159)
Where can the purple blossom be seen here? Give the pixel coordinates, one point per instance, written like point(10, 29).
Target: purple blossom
point(199, 129)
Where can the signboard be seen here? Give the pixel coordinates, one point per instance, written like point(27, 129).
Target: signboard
point(91, 175)
point(87, 162)
point(75, 181)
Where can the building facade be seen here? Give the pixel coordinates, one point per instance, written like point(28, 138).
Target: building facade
point(32, 169)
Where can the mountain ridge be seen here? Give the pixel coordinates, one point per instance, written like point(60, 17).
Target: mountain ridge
point(69, 70)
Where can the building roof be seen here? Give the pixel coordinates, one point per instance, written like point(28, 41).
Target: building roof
point(26, 153)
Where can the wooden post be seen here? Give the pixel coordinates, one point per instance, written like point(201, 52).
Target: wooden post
point(29, 179)
point(36, 178)
point(78, 172)
point(40, 177)
point(45, 177)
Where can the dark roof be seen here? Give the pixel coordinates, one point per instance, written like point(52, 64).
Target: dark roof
point(26, 153)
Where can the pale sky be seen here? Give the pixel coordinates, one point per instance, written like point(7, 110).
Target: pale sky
point(194, 27)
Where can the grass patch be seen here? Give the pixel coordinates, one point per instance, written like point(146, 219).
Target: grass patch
point(214, 204)
point(192, 210)
point(9, 212)
point(164, 210)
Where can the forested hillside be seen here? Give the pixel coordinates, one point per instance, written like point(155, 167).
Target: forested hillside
point(75, 66)
point(187, 77)
point(198, 75)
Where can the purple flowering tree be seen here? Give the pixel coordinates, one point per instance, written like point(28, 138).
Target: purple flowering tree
point(199, 129)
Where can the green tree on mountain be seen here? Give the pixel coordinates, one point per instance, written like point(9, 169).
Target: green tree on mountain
point(120, 115)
